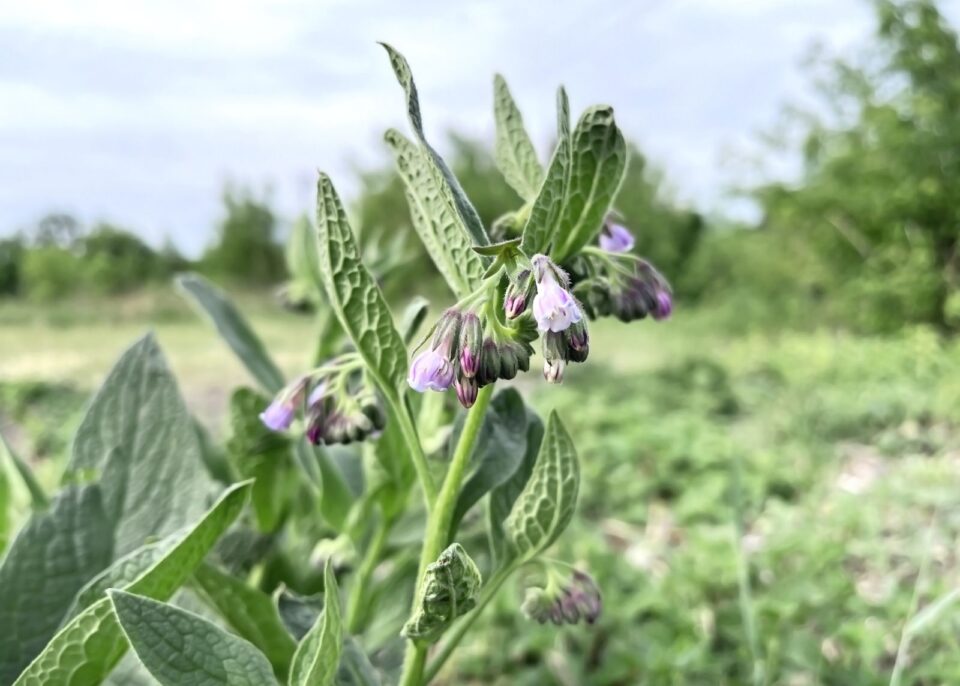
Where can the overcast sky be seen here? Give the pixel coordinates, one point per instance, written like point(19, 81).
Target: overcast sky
point(138, 112)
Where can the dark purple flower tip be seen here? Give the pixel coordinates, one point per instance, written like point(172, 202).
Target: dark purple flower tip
point(469, 362)
point(616, 238)
point(466, 391)
point(664, 306)
point(514, 305)
point(278, 416)
point(315, 432)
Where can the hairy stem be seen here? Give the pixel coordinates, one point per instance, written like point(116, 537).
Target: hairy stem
point(358, 592)
point(402, 416)
point(450, 644)
point(438, 523)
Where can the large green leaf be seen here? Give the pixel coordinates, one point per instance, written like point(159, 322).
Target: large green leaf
point(318, 655)
point(89, 645)
point(548, 205)
point(498, 452)
point(52, 557)
point(139, 435)
point(451, 187)
point(354, 294)
point(597, 166)
point(233, 328)
point(257, 453)
point(250, 612)
point(514, 152)
point(545, 506)
point(434, 217)
point(503, 497)
point(449, 590)
point(180, 648)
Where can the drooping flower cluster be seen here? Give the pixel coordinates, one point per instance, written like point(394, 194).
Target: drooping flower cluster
point(469, 351)
point(337, 403)
point(564, 603)
point(631, 289)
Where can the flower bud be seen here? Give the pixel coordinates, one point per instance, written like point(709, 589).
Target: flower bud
point(466, 391)
point(553, 370)
point(518, 293)
point(578, 597)
point(375, 414)
point(508, 361)
point(664, 305)
point(616, 238)
point(446, 334)
point(471, 341)
point(280, 412)
point(489, 363)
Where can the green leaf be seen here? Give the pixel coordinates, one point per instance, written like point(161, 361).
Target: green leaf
point(180, 648)
point(545, 506)
point(514, 152)
point(318, 655)
point(139, 435)
point(233, 328)
point(257, 453)
point(413, 316)
point(434, 218)
point(250, 612)
point(507, 247)
point(450, 186)
point(37, 495)
point(52, 557)
point(301, 290)
point(931, 613)
point(449, 590)
point(355, 668)
point(354, 294)
point(498, 452)
point(548, 206)
point(597, 167)
point(503, 496)
point(88, 646)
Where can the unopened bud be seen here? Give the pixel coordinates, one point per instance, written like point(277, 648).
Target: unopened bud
point(466, 391)
point(446, 334)
point(553, 370)
point(471, 342)
point(489, 363)
point(664, 305)
point(508, 361)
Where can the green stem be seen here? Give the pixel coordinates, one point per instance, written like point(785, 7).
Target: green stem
point(488, 593)
point(357, 601)
point(402, 416)
point(438, 522)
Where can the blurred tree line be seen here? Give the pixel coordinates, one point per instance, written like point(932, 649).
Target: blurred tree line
point(865, 236)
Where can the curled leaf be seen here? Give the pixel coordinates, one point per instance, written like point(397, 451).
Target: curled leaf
point(449, 590)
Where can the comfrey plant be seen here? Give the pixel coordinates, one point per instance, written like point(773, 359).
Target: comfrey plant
point(360, 471)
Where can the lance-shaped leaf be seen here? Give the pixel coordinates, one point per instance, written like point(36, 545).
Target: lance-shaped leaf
point(545, 506)
point(413, 315)
point(354, 294)
point(548, 206)
point(178, 647)
point(434, 217)
point(514, 152)
point(90, 644)
point(451, 187)
point(52, 557)
point(449, 590)
point(318, 655)
point(233, 328)
point(138, 434)
point(250, 612)
point(37, 496)
point(498, 452)
point(598, 163)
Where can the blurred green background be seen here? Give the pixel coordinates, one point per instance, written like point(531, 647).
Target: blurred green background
point(771, 477)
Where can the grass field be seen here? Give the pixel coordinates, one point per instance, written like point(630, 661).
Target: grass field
point(766, 509)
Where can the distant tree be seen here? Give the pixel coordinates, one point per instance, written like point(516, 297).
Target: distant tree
point(247, 247)
point(57, 229)
point(11, 265)
point(116, 261)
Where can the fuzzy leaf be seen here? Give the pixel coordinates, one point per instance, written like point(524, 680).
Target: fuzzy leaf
point(545, 506)
point(354, 294)
point(435, 218)
point(257, 453)
point(597, 166)
point(449, 590)
point(88, 646)
point(548, 206)
point(355, 668)
point(52, 557)
point(498, 452)
point(233, 329)
point(450, 186)
point(138, 434)
point(180, 648)
point(250, 612)
point(514, 152)
point(318, 655)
